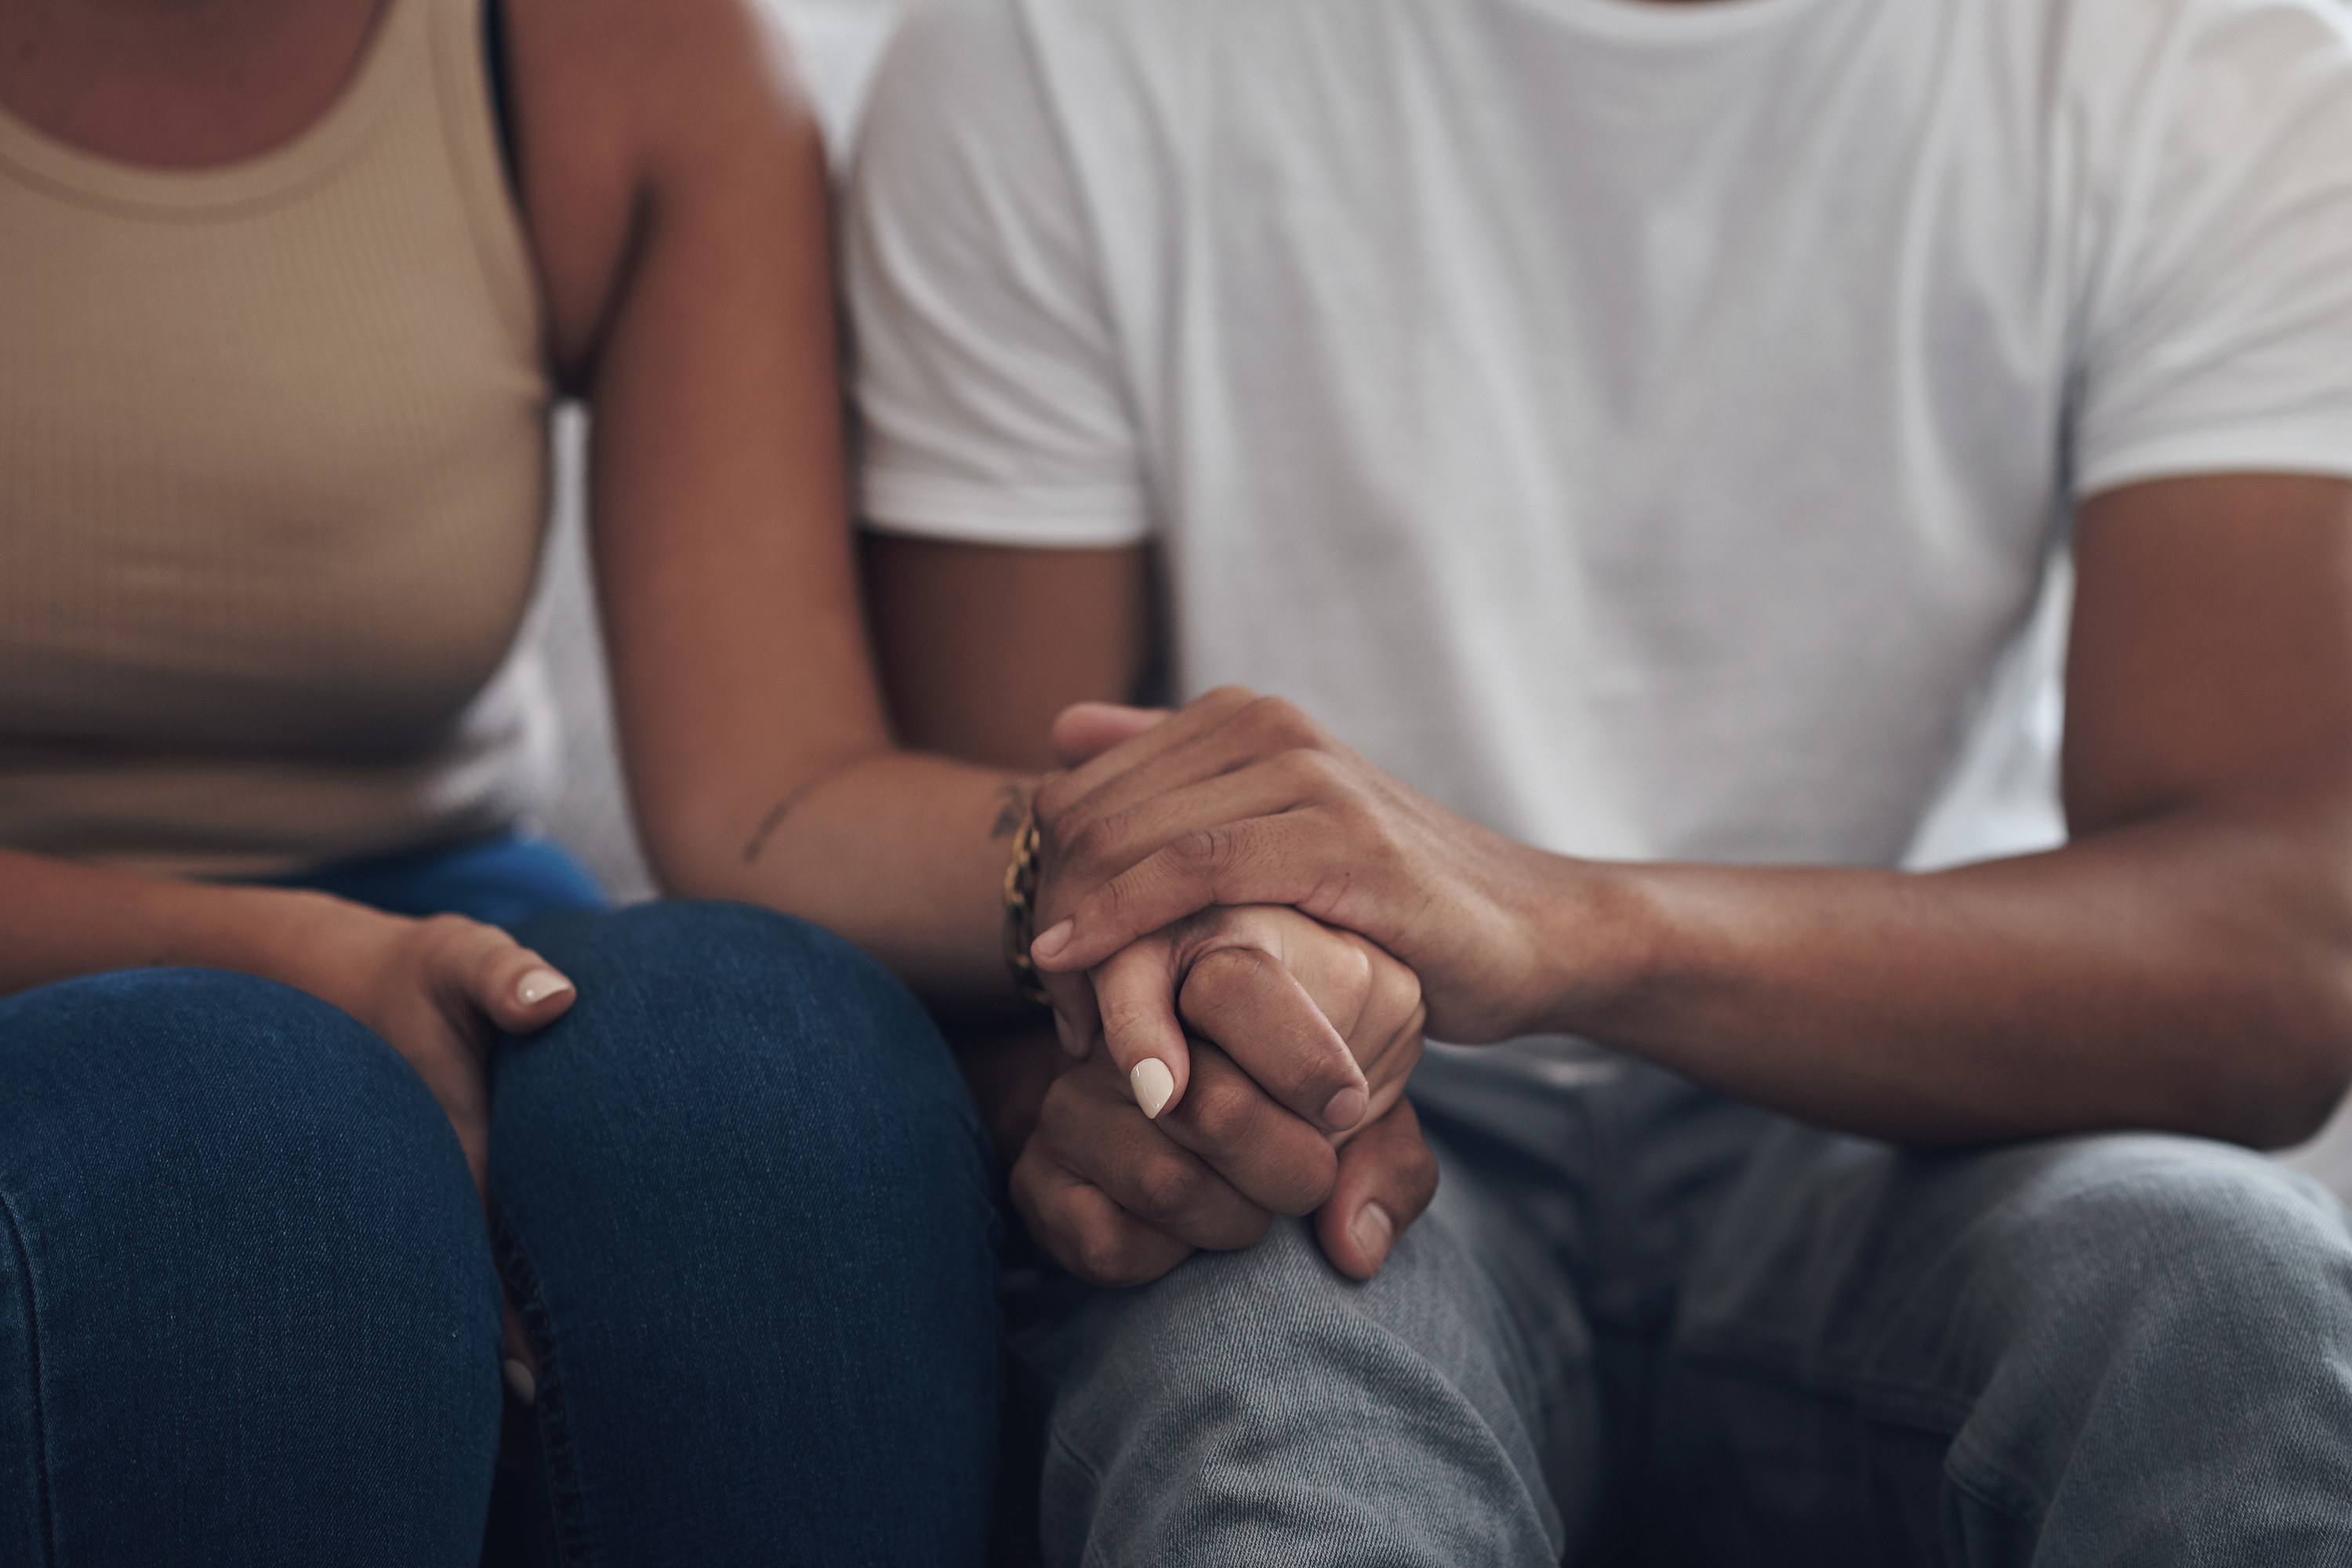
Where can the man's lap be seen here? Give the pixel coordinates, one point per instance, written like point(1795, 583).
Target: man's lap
point(2125, 1348)
point(1820, 1348)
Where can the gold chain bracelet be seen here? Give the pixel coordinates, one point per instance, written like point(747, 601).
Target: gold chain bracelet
point(1021, 911)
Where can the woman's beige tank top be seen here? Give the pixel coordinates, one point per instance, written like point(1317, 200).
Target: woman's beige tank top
point(272, 483)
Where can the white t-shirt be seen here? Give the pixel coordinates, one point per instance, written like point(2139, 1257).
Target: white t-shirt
point(1643, 427)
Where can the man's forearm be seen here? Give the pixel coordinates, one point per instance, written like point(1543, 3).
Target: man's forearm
point(2183, 975)
point(2182, 964)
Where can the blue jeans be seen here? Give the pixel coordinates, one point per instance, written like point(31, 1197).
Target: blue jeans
point(1643, 1324)
point(249, 1307)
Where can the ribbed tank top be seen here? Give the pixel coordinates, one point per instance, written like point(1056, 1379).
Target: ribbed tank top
point(273, 472)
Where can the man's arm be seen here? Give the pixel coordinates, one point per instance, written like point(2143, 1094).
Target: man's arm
point(2184, 962)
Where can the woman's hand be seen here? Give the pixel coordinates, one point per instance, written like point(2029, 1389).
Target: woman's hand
point(438, 991)
point(1323, 1022)
point(1119, 1197)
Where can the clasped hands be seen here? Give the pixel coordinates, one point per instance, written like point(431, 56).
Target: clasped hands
point(1190, 863)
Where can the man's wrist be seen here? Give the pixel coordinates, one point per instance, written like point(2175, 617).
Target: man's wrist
point(1598, 938)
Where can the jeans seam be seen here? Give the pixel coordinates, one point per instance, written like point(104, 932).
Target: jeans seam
point(1976, 1489)
point(47, 1515)
point(1913, 1407)
point(574, 1543)
point(1093, 1556)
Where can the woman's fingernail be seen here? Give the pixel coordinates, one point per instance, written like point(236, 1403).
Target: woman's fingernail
point(1153, 1084)
point(1374, 1231)
point(1056, 938)
point(520, 1382)
point(539, 984)
point(1345, 1109)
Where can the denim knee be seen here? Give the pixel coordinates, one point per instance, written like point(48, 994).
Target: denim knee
point(723, 1043)
point(245, 1296)
point(2162, 1297)
point(1259, 1406)
point(746, 1199)
point(2161, 1231)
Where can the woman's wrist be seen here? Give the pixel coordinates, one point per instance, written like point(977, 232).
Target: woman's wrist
point(313, 941)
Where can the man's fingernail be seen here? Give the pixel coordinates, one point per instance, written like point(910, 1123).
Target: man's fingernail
point(520, 1382)
point(1347, 1108)
point(1374, 1231)
point(539, 984)
point(1153, 1084)
point(1054, 939)
point(1067, 1036)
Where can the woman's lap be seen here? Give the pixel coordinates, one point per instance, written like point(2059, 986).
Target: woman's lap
point(740, 1193)
point(745, 1204)
point(245, 1298)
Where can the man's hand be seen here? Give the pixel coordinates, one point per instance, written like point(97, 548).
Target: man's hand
point(1239, 799)
point(1119, 1197)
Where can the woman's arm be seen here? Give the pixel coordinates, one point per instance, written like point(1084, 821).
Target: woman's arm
point(677, 194)
point(675, 191)
point(436, 990)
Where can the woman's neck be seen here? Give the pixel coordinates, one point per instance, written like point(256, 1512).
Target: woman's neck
point(178, 83)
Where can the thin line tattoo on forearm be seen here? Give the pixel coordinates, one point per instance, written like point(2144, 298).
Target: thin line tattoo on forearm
point(775, 819)
point(1013, 805)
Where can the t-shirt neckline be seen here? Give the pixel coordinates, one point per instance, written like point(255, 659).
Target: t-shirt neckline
point(1663, 23)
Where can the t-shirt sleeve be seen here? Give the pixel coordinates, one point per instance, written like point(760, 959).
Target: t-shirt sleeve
point(2218, 331)
point(989, 387)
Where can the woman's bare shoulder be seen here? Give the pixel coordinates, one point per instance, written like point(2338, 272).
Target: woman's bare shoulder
point(626, 111)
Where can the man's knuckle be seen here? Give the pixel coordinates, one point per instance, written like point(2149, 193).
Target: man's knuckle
point(1246, 1230)
point(1098, 1255)
point(1062, 1097)
point(1093, 846)
point(1121, 898)
point(1277, 716)
point(1166, 1190)
point(1421, 1173)
point(1053, 798)
point(1315, 773)
point(1203, 851)
point(1307, 1179)
point(1223, 704)
point(1222, 1111)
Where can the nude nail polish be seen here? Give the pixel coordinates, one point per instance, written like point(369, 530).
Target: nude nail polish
point(1153, 1083)
point(539, 984)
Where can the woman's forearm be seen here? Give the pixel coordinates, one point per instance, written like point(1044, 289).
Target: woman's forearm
point(901, 853)
point(59, 920)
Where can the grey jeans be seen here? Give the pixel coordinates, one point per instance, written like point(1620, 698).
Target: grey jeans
point(1645, 1324)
